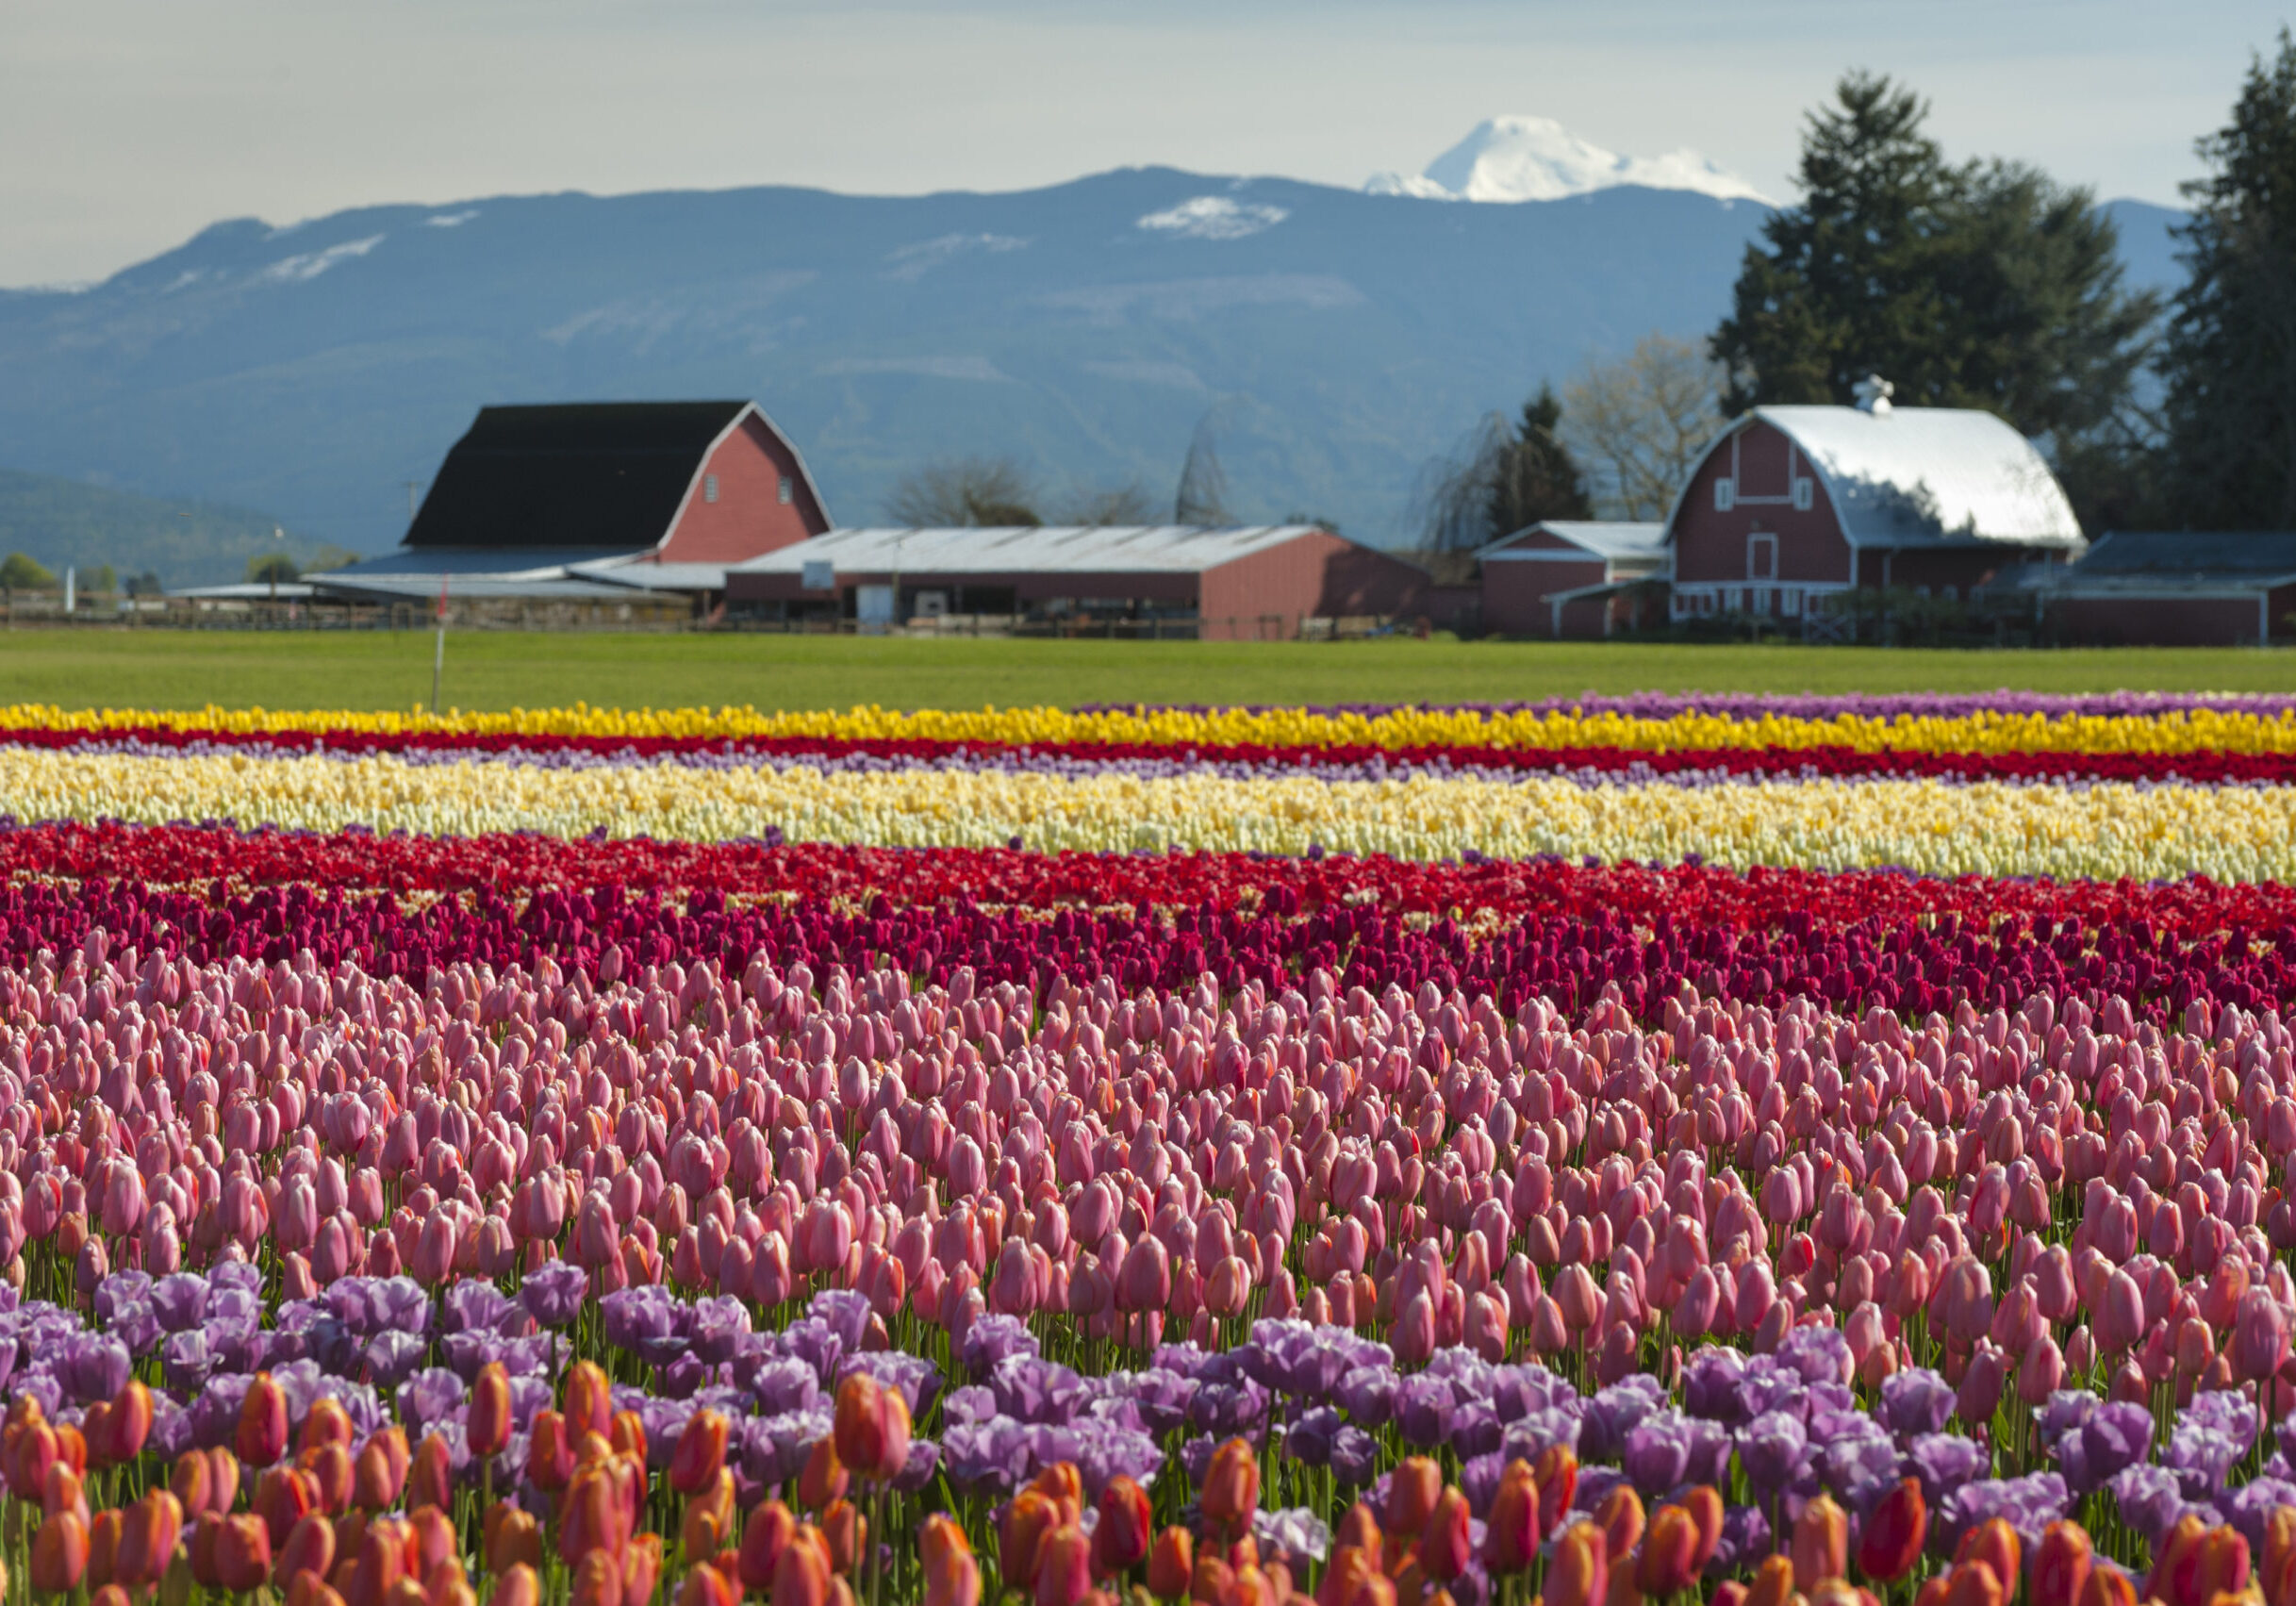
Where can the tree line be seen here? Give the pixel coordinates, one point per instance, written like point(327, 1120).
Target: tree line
point(1972, 284)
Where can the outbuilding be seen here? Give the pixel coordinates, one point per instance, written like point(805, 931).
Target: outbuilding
point(1574, 578)
point(1247, 582)
point(2177, 588)
point(585, 502)
point(1793, 504)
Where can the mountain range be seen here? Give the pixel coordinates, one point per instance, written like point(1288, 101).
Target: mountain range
point(1331, 341)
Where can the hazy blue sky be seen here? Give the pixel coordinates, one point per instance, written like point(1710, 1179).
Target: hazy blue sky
point(128, 125)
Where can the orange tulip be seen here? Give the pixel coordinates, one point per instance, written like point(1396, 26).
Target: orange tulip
point(1171, 1564)
point(589, 1400)
point(2061, 1564)
point(1995, 1542)
point(1510, 1537)
point(378, 1472)
point(1412, 1492)
point(1821, 1543)
point(2107, 1587)
point(1444, 1546)
point(326, 1423)
point(626, 1434)
point(2176, 1564)
point(763, 1539)
point(597, 1580)
point(1121, 1538)
point(430, 1482)
point(1974, 1583)
point(952, 1573)
point(847, 1533)
point(707, 1586)
point(1579, 1573)
point(60, 1554)
point(1894, 1532)
point(707, 1525)
point(802, 1575)
point(2223, 1564)
point(518, 1586)
point(261, 1436)
point(641, 1567)
point(593, 1514)
point(309, 1548)
point(1231, 1488)
point(242, 1552)
point(1555, 1472)
point(149, 1533)
point(129, 1423)
point(1772, 1583)
point(700, 1455)
point(1667, 1562)
point(1620, 1518)
point(1063, 1568)
point(332, 1474)
point(1030, 1518)
point(824, 1478)
point(511, 1537)
point(2278, 1576)
point(549, 1453)
point(488, 1427)
point(1704, 1503)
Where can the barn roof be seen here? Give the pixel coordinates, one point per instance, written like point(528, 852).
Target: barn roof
point(605, 475)
point(1927, 476)
point(1112, 549)
point(2156, 560)
point(1605, 537)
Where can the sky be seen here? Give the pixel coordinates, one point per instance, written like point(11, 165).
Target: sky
point(126, 125)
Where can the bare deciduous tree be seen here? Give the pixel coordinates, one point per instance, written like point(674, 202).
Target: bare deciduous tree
point(1127, 503)
point(984, 491)
point(1640, 421)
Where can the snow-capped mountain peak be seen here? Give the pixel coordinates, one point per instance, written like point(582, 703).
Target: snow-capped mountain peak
point(1536, 159)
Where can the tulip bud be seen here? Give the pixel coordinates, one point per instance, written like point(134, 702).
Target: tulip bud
point(1579, 1573)
point(1412, 1489)
point(242, 1552)
point(700, 1455)
point(261, 1438)
point(191, 1481)
point(1994, 1543)
point(149, 1533)
point(597, 1580)
point(1667, 1562)
point(1973, 1583)
point(1231, 1488)
point(519, 1586)
point(952, 1573)
point(1620, 1518)
point(489, 1427)
point(764, 1538)
point(1896, 1531)
point(430, 1481)
point(511, 1537)
point(1028, 1520)
point(589, 1401)
point(1443, 1547)
point(1821, 1543)
point(1512, 1535)
point(824, 1478)
point(378, 1472)
point(1120, 1540)
point(60, 1554)
point(2061, 1564)
point(2107, 1587)
point(1064, 1571)
point(802, 1577)
point(309, 1548)
point(1171, 1565)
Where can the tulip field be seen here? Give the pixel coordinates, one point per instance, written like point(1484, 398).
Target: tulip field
point(1627, 1151)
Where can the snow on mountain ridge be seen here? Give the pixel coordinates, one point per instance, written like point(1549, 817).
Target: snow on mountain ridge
point(1536, 159)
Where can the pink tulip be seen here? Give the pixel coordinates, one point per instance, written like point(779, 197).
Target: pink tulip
point(2259, 1343)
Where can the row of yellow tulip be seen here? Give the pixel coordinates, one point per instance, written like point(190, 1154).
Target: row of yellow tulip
point(2017, 726)
point(2096, 830)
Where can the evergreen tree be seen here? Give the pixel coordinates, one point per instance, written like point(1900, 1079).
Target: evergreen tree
point(1984, 285)
point(1536, 477)
point(2231, 362)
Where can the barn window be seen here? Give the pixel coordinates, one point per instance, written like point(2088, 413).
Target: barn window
point(1761, 557)
point(709, 488)
point(1802, 493)
point(785, 490)
point(1725, 494)
point(1790, 602)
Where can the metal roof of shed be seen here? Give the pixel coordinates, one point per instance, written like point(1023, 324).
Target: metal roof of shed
point(1605, 537)
point(2153, 561)
point(1925, 476)
point(1113, 549)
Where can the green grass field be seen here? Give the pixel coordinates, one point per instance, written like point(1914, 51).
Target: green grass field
point(82, 668)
